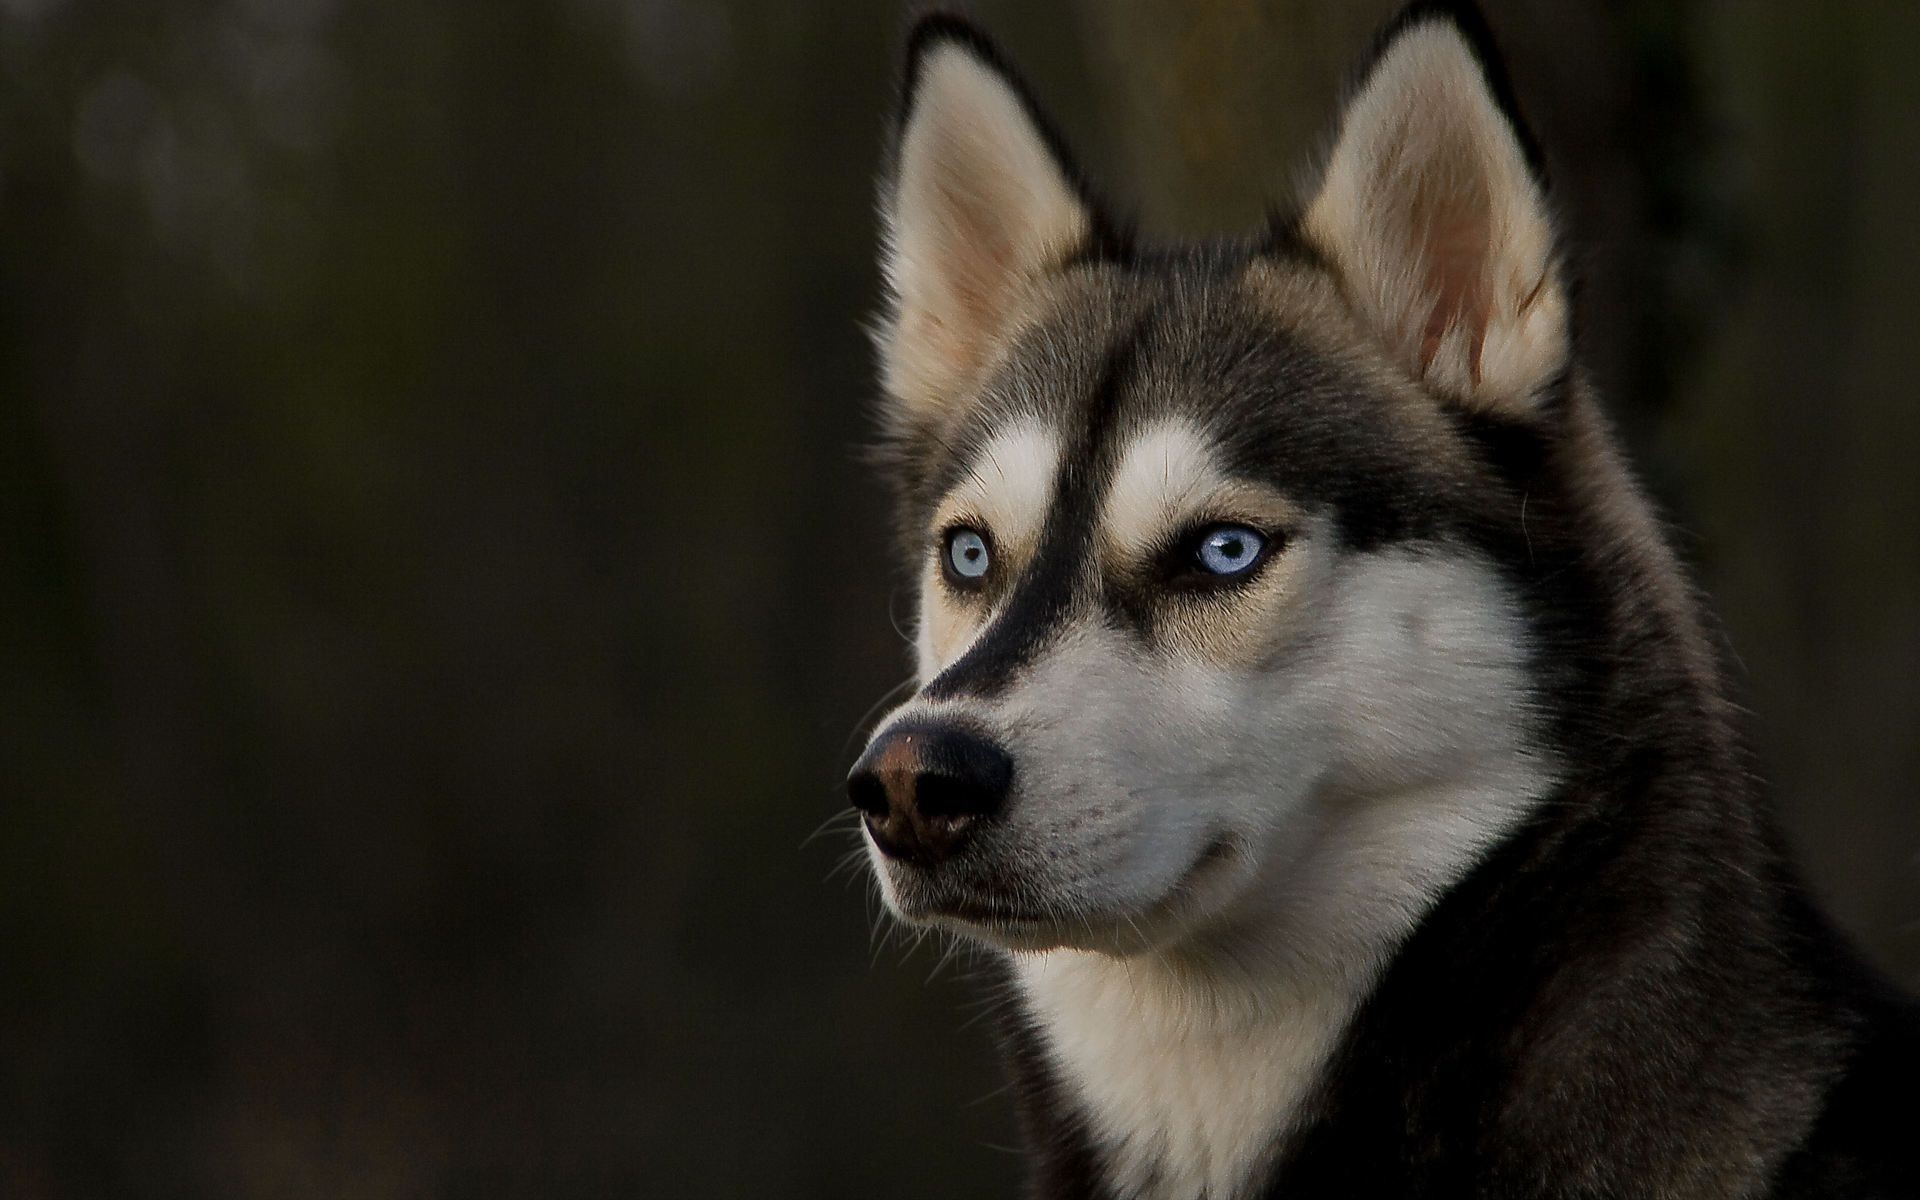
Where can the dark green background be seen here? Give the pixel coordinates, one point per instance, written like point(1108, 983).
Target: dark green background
point(441, 591)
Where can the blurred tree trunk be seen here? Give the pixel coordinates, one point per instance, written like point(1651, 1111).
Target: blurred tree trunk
point(1218, 101)
point(1803, 429)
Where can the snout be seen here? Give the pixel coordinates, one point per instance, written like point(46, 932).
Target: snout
point(923, 788)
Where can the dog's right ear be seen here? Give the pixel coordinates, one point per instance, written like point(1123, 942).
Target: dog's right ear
point(979, 205)
point(1434, 215)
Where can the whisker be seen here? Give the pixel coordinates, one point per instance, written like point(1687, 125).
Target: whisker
point(953, 949)
point(851, 860)
point(895, 621)
point(841, 814)
point(886, 698)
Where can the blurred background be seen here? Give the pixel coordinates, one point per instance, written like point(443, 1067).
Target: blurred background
point(441, 592)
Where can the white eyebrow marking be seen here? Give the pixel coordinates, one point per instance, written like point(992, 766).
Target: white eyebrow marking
point(1009, 484)
point(1165, 469)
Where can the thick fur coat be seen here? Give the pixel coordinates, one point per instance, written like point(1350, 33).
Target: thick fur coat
point(1312, 716)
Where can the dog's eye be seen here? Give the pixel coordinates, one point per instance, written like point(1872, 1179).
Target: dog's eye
point(967, 555)
point(1229, 549)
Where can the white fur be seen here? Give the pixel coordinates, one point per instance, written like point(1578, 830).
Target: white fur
point(1165, 470)
point(1360, 774)
point(1408, 715)
point(1187, 1081)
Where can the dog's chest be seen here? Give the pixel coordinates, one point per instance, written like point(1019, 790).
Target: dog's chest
point(1186, 1094)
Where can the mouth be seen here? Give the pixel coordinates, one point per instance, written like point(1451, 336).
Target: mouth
point(1019, 925)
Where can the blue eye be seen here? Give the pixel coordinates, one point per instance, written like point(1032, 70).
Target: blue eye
point(967, 555)
point(1229, 549)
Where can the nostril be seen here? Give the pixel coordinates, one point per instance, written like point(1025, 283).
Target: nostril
point(866, 793)
point(952, 796)
point(965, 776)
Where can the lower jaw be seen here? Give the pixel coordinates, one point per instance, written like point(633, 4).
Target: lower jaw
point(1118, 932)
point(1038, 935)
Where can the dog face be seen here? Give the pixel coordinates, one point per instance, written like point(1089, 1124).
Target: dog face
point(1209, 630)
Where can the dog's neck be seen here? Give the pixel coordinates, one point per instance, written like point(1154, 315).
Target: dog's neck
point(1185, 1088)
point(1190, 1065)
point(1185, 1084)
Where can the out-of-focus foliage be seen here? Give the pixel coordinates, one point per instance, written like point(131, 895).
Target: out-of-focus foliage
point(440, 589)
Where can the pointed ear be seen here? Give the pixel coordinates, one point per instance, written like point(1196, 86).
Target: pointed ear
point(1435, 217)
point(979, 206)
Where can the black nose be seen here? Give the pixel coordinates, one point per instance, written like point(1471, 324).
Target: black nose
point(924, 787)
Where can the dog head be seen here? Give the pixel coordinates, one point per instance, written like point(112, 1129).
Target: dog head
point(1212, 618)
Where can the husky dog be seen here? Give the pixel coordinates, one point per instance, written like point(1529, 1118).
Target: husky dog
point(1310, 712)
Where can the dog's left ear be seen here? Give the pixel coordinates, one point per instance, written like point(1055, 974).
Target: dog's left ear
point(1434, 215)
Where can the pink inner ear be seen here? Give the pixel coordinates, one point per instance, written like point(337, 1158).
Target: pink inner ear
point(1455, 245)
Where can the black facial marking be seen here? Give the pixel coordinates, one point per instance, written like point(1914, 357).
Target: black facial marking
point(1044, 594)
point(1516, 450)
